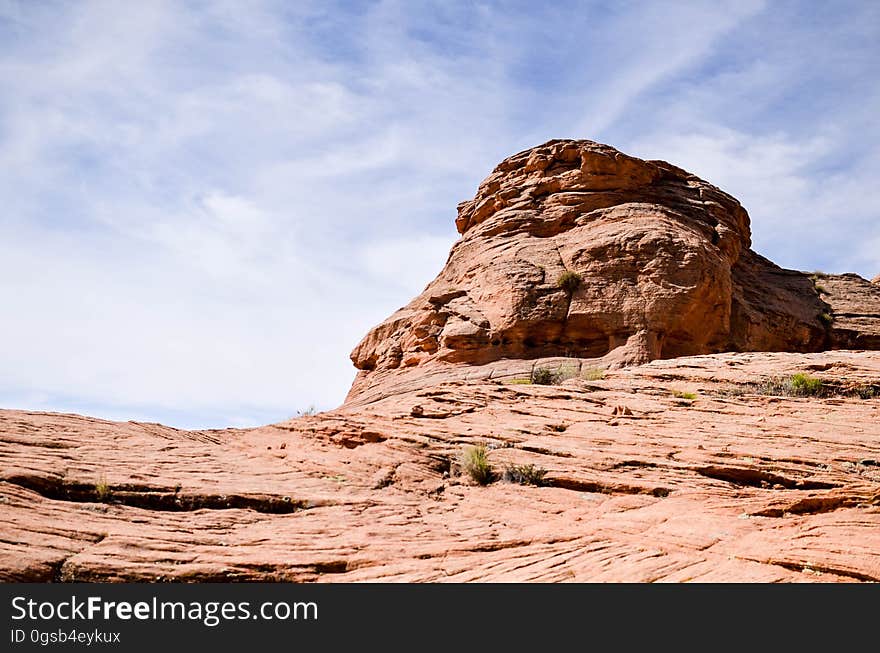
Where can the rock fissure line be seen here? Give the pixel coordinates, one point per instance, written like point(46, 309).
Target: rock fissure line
point(759, 478)
point(162, 499)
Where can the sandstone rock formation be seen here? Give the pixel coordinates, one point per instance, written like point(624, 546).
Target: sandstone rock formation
point(661, 458)
point(658, 266)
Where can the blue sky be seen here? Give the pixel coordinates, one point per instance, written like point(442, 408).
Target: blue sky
point(205, 206)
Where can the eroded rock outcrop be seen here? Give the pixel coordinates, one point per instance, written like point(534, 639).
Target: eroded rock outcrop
point(574, 249)
point(704, 468)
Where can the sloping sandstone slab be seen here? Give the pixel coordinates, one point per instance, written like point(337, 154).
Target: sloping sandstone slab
point(643, 484)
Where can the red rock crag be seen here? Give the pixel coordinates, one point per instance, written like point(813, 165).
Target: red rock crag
point(573, 249)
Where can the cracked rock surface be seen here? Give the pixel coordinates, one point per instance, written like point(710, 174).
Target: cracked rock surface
point(670, 471)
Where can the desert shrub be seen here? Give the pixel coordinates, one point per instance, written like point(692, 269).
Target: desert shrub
point(593, 374)
point(550, 376)
point(544, 376)
point(475, 463)
point(524, 474)
point(684, 395)
point(826, 318)
point(866, 391)
point(102, 490)
point(804, 384)
point(796, 385)
point(569, 281)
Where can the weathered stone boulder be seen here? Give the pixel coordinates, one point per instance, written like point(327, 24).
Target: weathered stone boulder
point(574, 249)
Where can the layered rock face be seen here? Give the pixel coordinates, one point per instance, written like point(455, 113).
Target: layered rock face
point(574, 249)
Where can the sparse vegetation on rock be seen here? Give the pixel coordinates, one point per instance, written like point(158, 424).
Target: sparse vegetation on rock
point(593, 374)
point(865, 391)
point(544, 376)
point(103, 492)
point(524, 474)
point(552, 376)
point(569, 281)
point(475, 464)
point(805, 384)
point(796, 385)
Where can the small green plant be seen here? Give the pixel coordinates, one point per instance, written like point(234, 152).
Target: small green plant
point(593, 374)
point(826, 318)
point(684, 395)
point(102, 490)
point(796, 385)
point(822, 290)
point(544, 376)
point(569, 281)
point(475, 463)
point(524, 474)
point(520, 381)
point(804, 384)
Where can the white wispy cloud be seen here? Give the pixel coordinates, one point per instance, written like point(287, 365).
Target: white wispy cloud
point(786, 124)
point(205, 207)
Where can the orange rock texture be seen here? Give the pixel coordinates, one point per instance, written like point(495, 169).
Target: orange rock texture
point(676, 470)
